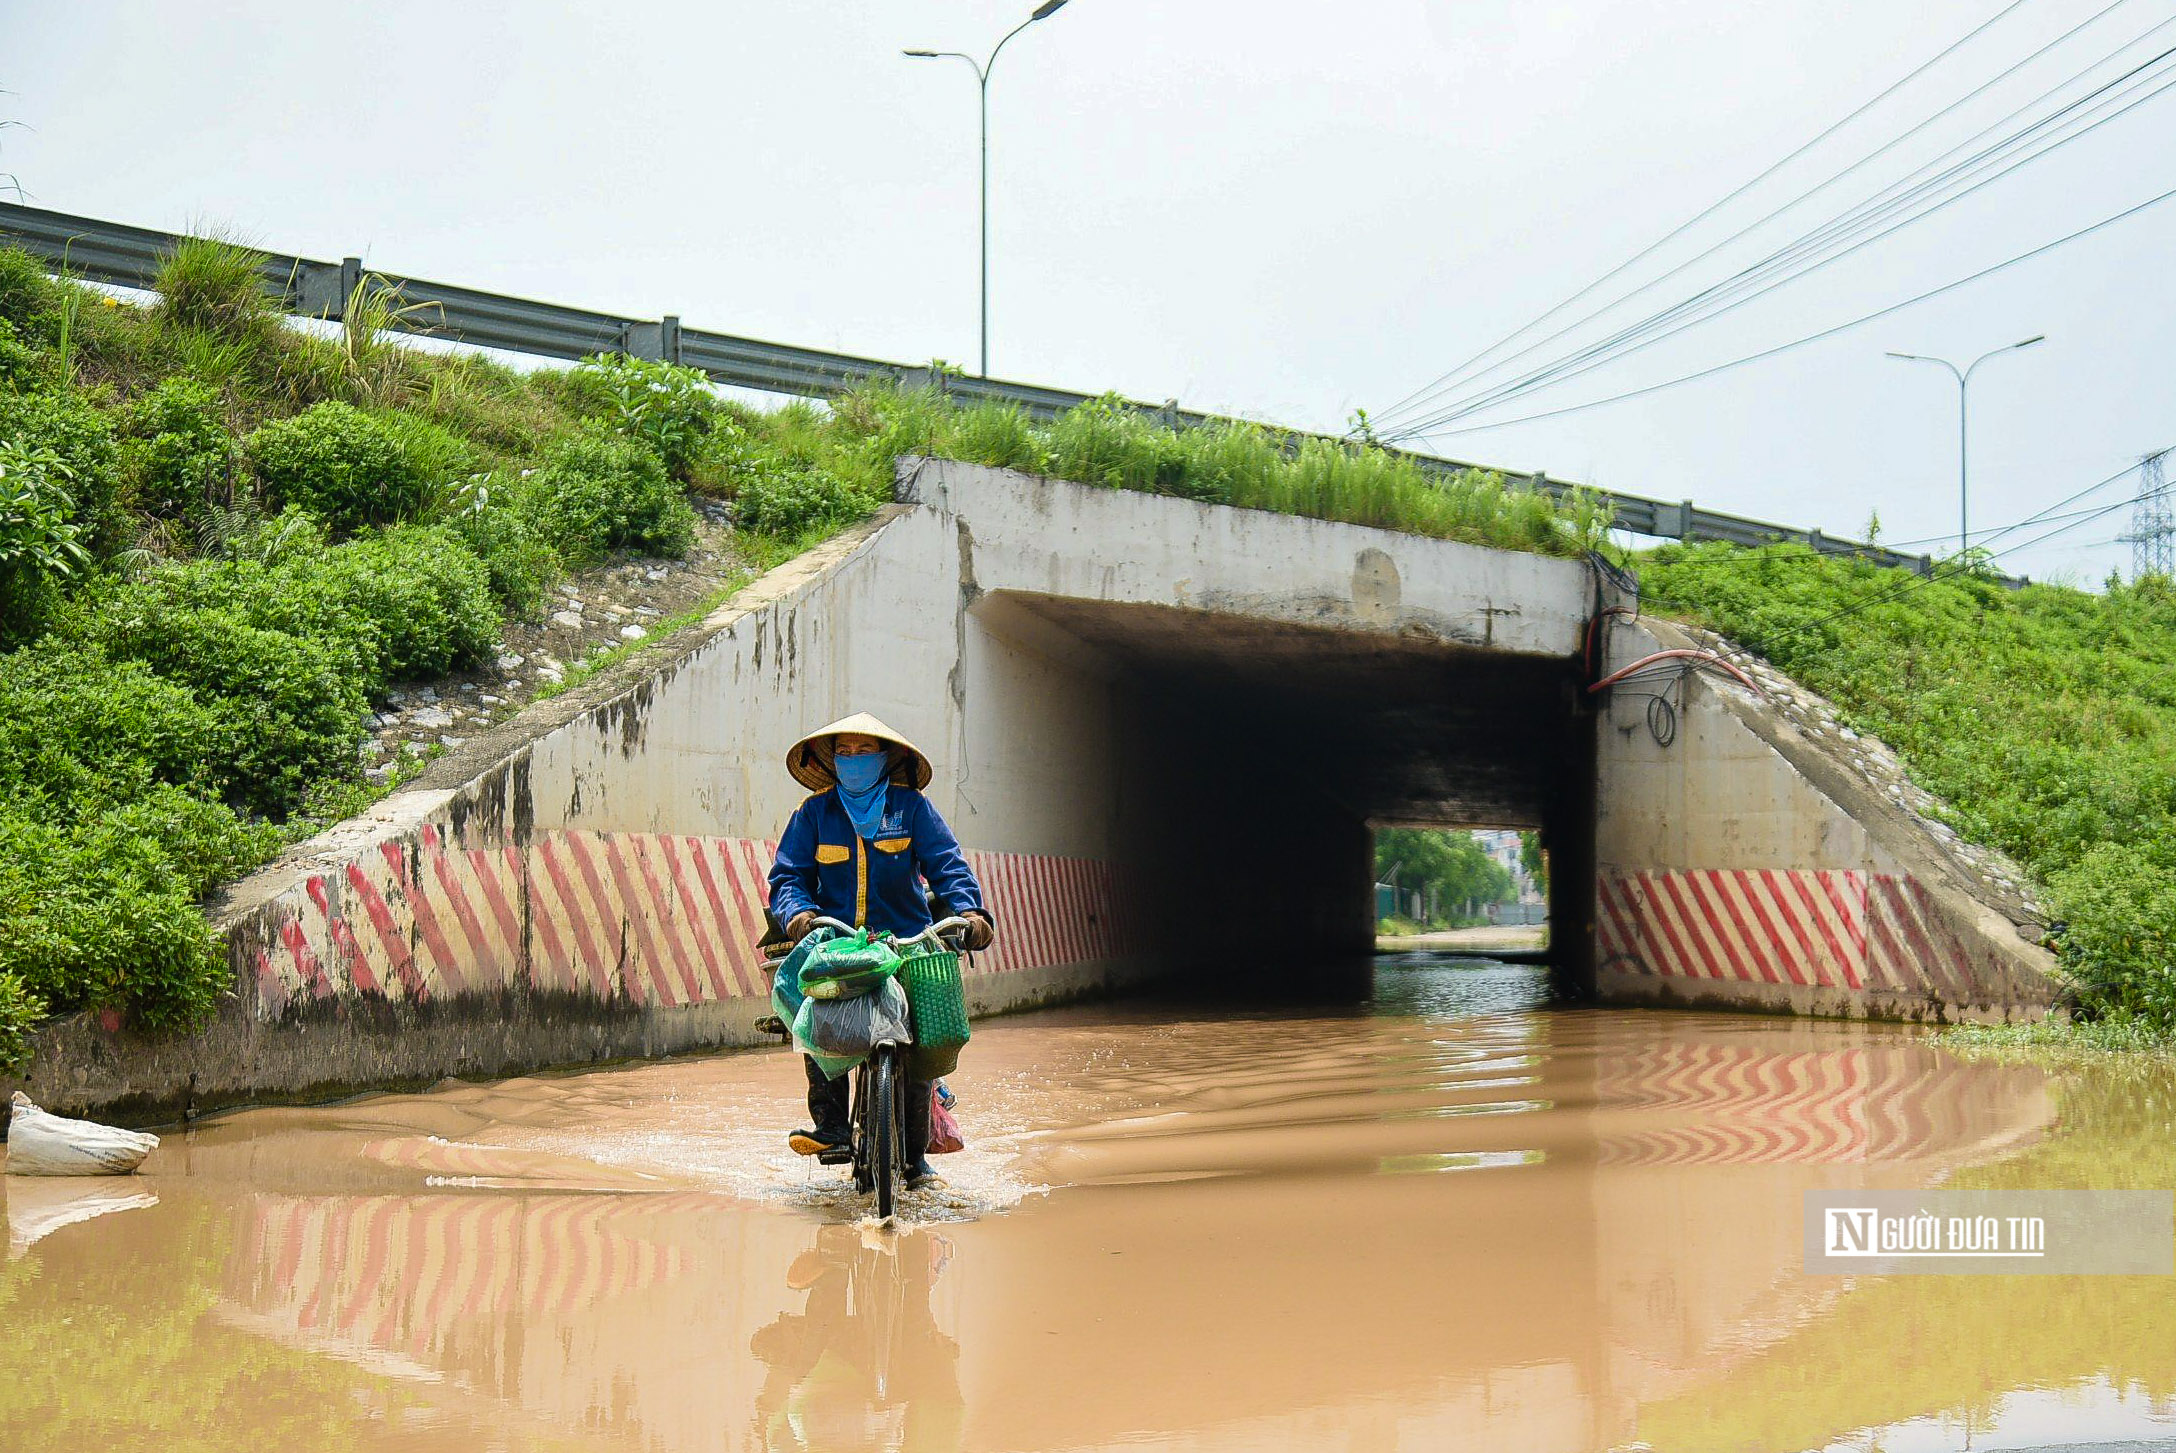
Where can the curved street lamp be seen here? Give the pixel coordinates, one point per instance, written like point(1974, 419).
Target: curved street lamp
point(1964, 379)
point(982, 79)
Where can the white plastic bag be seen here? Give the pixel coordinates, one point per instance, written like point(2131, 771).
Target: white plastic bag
point(850, 1028)
point(48, 1145)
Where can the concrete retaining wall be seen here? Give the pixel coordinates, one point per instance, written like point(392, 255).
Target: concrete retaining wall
point(1745, 864)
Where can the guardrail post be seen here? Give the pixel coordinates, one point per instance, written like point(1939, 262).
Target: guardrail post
point(1813, 542)
point(659, 342)
point(322, 290)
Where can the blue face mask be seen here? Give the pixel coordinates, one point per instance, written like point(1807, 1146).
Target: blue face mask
point(862, 781)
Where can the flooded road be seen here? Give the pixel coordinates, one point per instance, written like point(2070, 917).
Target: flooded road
point(1449, 1219)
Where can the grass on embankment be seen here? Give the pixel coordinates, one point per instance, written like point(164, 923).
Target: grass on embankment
point(2044, 717)
point(225, 538)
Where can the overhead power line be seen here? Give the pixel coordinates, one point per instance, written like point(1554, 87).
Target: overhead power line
point(1801, 342)
point(1465, 375)
point(1803, 256)
point(1696, 219)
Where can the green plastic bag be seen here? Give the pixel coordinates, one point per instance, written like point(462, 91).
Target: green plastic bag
point(786, 995)
point(848, 966)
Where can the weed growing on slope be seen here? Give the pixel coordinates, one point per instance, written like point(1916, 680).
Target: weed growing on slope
point(1104, 442)
point(213, 286)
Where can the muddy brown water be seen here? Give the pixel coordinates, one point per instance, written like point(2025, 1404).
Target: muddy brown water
point(1453, 1218)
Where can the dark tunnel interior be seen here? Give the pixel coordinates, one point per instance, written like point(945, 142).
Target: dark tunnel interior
point(1258, 755)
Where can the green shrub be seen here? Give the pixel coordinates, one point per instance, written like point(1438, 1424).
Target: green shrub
point(597, 493)
point(106, 913)
point(520, 562)
point(2118, 903)
point(40, 544)
point(340, 463)
point(999, 435)
point(1103, 442)
point(425, 594)
point(214, 286)
point(288, 708)
point(786, 500)
point(440, 457)
point(20, 1011)
point(77, 727)
point(176, 453)
point(30, 299)
point(662, 405)
point(23, 365)
point(409, 602)
point(80, 435)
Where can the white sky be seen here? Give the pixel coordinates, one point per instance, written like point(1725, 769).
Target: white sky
point(1272, 209)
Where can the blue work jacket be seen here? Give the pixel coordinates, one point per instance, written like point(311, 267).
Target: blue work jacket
point(824, 866)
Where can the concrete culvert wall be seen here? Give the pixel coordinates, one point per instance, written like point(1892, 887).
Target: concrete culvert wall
point(1163, 731)
point(1160, 728)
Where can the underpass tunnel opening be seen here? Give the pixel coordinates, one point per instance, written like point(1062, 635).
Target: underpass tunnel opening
point(1234, 768)
point(1430, 876)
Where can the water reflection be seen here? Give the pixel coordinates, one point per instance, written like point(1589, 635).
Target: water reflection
point(862, 1364)
point(37, 1206)
point(1455, 1223)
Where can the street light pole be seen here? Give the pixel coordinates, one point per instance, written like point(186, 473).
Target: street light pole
point(982, 71)
point(1964, 380)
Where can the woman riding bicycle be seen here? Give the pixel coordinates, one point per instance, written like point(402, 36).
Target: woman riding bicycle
point(859, 850)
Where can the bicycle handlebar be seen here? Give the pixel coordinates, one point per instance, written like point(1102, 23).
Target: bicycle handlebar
point(935, 932)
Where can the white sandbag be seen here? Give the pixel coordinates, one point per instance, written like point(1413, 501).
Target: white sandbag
point(48, 1145)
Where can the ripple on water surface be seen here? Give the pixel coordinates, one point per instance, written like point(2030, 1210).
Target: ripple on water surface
point(1452, 1217)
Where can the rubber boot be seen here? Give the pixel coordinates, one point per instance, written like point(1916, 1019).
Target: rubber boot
point(828, 1102)
point(919, 1172)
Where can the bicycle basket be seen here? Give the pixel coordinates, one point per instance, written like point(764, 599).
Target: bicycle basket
point(938, 1003)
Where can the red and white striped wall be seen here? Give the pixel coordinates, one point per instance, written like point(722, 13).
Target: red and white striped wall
point(657, 919)
point(1824, 928)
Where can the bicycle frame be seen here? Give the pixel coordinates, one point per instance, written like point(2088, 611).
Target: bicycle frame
point(879, 1111)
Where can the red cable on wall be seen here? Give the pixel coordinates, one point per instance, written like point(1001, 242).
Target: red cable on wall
point(1699, 658)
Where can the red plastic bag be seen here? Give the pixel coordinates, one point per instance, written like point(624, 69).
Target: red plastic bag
point(944, 1130)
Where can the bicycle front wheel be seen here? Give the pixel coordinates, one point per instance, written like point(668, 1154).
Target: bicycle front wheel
point(885, 1126)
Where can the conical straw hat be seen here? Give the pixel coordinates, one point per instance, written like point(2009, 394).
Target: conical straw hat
point(809, 759)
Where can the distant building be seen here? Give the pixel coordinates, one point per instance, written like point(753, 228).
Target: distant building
point(1505, 845)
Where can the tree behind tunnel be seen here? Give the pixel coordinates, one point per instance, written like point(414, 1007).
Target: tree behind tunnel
point(1449, 869)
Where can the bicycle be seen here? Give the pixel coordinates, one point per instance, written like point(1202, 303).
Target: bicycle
point(877, 1121)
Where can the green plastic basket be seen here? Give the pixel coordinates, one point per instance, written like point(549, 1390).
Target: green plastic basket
point(939, 1002)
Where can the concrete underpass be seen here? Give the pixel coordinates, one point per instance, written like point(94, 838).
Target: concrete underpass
point(1254, 756)
point(1456, 1216)
point(1163, 731)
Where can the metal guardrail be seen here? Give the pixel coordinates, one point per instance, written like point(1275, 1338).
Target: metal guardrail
point(119, 255)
